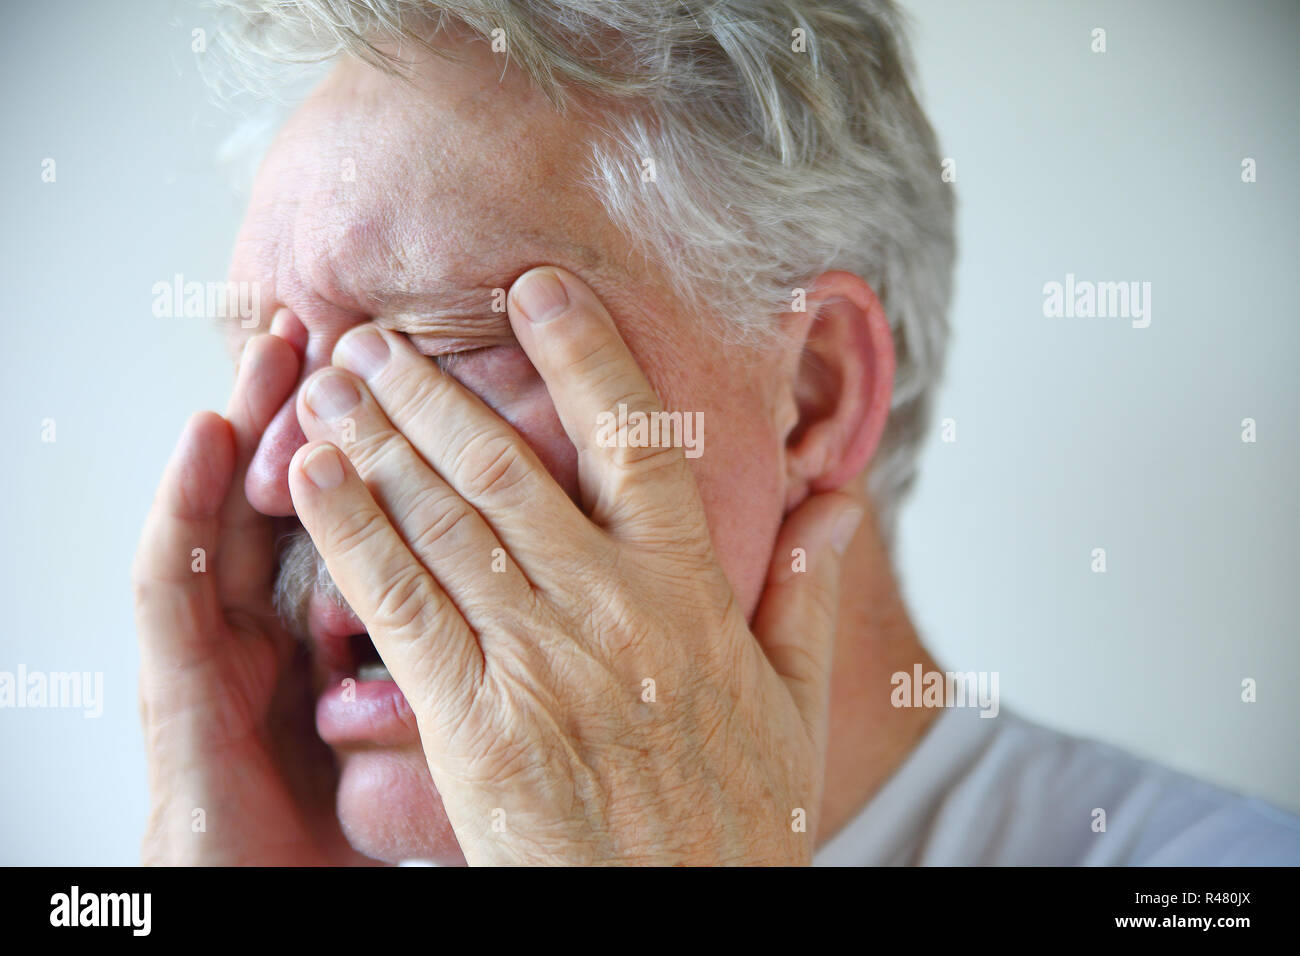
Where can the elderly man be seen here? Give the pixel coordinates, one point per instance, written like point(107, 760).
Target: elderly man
point(601, 342)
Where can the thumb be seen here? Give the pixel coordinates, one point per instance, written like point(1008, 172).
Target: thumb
point(796, 619)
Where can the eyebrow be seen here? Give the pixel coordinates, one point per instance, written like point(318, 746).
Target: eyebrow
point(445, 308)
point(447, 317)
point(446, 314)
point(439, 301)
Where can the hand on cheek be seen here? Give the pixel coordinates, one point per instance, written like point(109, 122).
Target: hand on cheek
point(214, 657)
point(586, 688)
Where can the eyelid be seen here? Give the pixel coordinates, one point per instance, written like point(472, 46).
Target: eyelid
point(440, 343)
point(445, 349)
point(438, 346)
point(447, 360)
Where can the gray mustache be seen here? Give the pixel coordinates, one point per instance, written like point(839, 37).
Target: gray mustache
point(302, 573)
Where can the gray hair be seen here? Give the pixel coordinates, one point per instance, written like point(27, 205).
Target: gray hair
point(785, 136)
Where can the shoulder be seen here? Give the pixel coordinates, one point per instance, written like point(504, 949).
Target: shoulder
point(1006, 791)
point(1134, 811)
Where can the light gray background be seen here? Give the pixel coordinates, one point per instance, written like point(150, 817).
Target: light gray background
point(1071, 433)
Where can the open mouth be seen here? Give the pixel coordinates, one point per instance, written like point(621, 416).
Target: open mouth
point(367, 664)
point(359, 704)
point(341, 645)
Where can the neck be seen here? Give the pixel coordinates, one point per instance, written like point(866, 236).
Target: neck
point(869, 738)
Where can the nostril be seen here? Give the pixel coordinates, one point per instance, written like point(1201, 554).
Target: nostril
point(267, 481)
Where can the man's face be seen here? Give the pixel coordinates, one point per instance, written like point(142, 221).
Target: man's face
point(408, 204)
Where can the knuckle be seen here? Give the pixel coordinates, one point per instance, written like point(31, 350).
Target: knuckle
point(491, 465)
point(355, 530)
point(404, 603)
point(581, 352)
point(421, 389)
point(369, 449)
point(647, 485)
point(449, 526)
point(643, 462)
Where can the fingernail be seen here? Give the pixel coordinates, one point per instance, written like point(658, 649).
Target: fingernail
point(846, 525)
point(540, 296)
point(364, 351)
point(324, 468)
point(332, 396)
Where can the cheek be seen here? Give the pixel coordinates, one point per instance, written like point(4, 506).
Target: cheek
point(740, 471)
point(740, 484)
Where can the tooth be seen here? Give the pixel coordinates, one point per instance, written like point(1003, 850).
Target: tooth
point(373, 670)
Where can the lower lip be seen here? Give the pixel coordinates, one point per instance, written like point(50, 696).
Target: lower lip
point(373, 713)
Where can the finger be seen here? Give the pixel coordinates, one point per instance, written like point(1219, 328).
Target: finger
point(245, 561)
point(476, 452)
point(440, 527)
point(176, 607)
point(634, 481)
point(285, 325)
point(797, 617)
point(420, 635)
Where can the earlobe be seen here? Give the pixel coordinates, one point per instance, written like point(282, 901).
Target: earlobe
point(845, 384)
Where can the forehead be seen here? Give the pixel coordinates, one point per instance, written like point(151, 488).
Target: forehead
point(385, 194)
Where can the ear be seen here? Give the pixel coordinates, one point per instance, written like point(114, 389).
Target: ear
point(843, 385)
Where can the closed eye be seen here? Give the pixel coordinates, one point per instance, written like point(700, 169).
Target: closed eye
point(447, 361)
point(491, 368)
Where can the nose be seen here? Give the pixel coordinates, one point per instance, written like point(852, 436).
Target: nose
point(267, 481)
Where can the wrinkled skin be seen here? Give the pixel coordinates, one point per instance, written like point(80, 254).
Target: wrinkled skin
point(677, 577)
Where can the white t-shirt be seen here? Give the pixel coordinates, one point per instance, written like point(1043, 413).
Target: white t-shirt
point(1004, 791)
